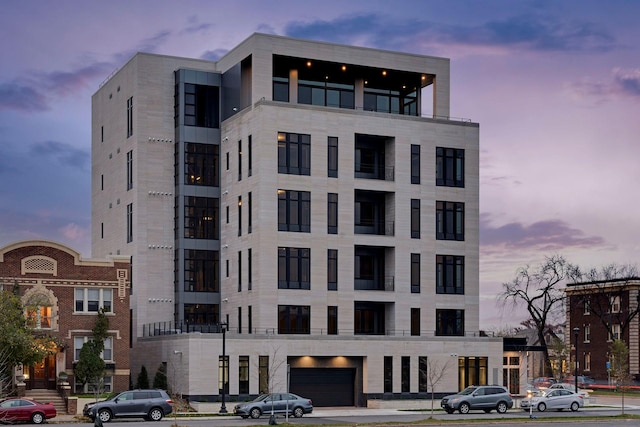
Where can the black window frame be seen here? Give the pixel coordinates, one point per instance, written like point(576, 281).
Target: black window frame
point(332, 269)
point(332, 320)
point(332, 213)
point(415, 218)
point(449, 322)
point(294, 153)
point(294, 319)
point(201, 164)
point(332, 156)
point(201, 270)
point(415, 273)
point(201, 105)
point(201, 217)
point(294, 211)
point(450, 274)
point(450, 167)
point(415, 321)
point(129, 116)
point(449, 220)
point(294, 268)
point(129, 170)
point(415, 164)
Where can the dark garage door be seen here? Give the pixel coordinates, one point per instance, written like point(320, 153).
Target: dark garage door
point(324, 386)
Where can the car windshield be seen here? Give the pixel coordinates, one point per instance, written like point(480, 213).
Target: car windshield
point(468, 390)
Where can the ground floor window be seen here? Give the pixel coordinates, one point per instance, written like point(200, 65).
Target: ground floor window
point(388, 374)
point(423, 378)
point(243, 375)
point(223, 374)
point(105, 385)
point(472, 371)
point(263, 374)
point(405, 374)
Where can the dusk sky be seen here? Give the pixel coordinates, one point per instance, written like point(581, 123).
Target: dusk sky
point(555, 86)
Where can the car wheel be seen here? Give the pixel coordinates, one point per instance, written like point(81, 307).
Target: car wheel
point(575, 406)
point(155, 414)
point(298, 412)
point(255, 413)
point(37, 418)
point(542, 407)
point(464, 408)
point(104, 415)
point(502, 407)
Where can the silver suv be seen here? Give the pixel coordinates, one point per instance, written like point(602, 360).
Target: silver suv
point(151, 405)
point(485, 397)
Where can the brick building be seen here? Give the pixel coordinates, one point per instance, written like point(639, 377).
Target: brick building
point(602, 312)
point(62, 294)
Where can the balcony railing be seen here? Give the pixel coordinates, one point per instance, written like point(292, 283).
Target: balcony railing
point(376, 284)
point(381, 228)
point(172, 328)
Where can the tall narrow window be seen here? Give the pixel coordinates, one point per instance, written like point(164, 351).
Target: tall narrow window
point(130, 223)
point(239, 271)
point(415, 321)
point(332, 320)
point(101, 133)
point(239, 320)
point(250, 157)
point(249, 269)
point(332, 269)
point(102, 182)
point(388, 374)
point(102, 230)
point(423, 374)
point(449, 167)
point(227, 161)
point(415, 273)
point(332, 213)
point(129, 117)
point(250, 213)
point(415, 164)
point(263, 374)
point(332, 156)
point(405, 367)
point(223, 374)
point(239, 160)
point(243, 374)
point(415, 218)
point(129, 170)
point(249, 320)
point(449, 221)
point(239, 215)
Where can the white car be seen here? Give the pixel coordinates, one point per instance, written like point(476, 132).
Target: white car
point(570, 387)
point(558, 399)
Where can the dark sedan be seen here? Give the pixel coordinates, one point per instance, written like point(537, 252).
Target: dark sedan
point(276, 403)
point(12, 410)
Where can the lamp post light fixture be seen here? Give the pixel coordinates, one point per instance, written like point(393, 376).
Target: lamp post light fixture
point(223, 407)
point(576, 332)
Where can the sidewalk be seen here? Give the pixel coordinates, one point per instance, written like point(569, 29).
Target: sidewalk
point(595, 402)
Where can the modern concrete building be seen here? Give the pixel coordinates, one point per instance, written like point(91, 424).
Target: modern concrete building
point(316, 201)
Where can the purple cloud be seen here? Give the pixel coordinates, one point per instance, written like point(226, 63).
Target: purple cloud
point(627, 81)
point(623, 82)
point(64, 154)
point(548, 235)
point(19, 97)
point(536, 33)
point(214, 55)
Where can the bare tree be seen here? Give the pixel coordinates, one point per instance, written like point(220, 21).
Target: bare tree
point(605, 291)
point(541, 291)
point(435, 372)
point(559, 352)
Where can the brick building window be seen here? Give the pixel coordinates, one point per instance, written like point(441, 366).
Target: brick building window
point(89, 300)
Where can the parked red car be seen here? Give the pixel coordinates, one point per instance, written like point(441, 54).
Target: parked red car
point(12, 410)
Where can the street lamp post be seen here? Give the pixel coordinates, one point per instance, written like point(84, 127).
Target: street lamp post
point(576, 331)
point(223, 407)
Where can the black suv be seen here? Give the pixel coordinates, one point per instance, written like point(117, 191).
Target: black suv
point(151, 405)
point(485, 397)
